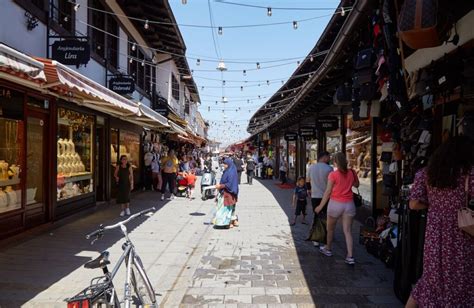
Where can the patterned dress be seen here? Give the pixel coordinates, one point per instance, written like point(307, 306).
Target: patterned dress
point(448, 260)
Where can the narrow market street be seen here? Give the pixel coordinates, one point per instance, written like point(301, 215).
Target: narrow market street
point(263, 263)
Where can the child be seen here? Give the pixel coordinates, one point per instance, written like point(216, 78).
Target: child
point(191, 179)
point(299, 200)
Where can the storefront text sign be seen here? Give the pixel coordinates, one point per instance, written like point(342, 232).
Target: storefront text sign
point(291, 136)
point(122, 85)
point(162, 109)
point(328, 124)
point(307, 132)
point(71, 52)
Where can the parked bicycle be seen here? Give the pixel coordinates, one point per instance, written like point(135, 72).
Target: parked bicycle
point(101, 292)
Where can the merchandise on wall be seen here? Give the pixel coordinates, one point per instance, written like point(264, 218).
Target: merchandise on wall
point(12, 128)
point(74, 154)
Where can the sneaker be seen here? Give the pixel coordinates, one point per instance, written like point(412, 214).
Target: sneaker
point(122, 213)
point(171, 198)
point(162, 197)
point(316, 244)
point(325, 252)
point(350, 261)
point(127, 211)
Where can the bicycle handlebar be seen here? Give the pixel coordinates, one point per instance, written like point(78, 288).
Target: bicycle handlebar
point(102, 228)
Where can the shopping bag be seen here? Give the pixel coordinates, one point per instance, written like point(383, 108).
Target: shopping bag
point(318, 231)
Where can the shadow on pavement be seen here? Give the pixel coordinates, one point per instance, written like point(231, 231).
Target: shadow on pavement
point(331, 281)
point(30, 267)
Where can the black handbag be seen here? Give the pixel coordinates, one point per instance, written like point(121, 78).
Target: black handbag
point(365, 59)
point(362, 77)
point(357, 198)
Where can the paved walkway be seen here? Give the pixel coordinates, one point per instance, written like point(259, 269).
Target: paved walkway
point(263, 263)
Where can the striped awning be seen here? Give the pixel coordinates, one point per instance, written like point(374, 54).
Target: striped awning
point(20, 68)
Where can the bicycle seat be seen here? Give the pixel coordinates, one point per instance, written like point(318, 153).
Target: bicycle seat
point(100, 261)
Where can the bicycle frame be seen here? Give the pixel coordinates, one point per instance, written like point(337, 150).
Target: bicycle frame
point(128, 257)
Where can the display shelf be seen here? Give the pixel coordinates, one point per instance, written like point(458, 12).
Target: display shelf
point(76, 177)
point(62, 201)
point(9, 182)
point(5, 209)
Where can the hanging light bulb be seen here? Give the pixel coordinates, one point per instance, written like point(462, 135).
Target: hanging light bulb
point(258, 65)
point(66, 19)
point(282, 95)
point(143, 63)
point(298, 63)
point(76, 7)
point(259, 85)
point(130, 61)
point(202, 88)
point(216, 102)
point(245, 73)
point(343, 12)
point(221, 66)
point(219, 30)
point(241, 88)
point(269, 11)
point(268, 82)
point(294, 91)
point(208, 108)
point(295, 25)
point(259, 97)
point(282, 82)
point(134, 46)
point(223, 82)
point(311, 58)
point(146, 25)
point(184, 1)
point(248, 101)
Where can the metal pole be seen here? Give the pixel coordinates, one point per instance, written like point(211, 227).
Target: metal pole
point(373, 166)
point(47, 28)
point(343, 132)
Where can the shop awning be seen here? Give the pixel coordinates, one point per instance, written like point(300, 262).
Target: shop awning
point(94, 95)
point(150, 116)
point(177, 129)
point(15, 66)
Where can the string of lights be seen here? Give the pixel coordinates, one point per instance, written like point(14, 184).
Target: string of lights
point(147, 24)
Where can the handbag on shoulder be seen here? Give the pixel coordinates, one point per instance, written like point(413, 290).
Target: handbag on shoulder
point(465, 214)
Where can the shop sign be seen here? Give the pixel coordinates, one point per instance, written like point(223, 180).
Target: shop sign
point(291, 136)
point(71, 52)
point(163, 110)
point(327, 124)
point(307, 132)
point(122, 84)
point(362, 125)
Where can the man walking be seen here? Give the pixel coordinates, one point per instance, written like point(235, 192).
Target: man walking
point(250, 167)
point(170, 166)
point(239, 164)
point(318, 175)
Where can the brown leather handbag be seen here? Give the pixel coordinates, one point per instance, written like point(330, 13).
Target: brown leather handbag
point(418, 24)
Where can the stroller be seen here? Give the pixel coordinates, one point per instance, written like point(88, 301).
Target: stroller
point(208, 179)
point(182, 186)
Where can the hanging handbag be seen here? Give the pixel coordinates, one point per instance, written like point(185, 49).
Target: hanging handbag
point(465, 214)
point(418, 24)
point(356, 196)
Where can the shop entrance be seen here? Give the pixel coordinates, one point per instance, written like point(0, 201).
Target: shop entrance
point(37, 174)
point(101, 161)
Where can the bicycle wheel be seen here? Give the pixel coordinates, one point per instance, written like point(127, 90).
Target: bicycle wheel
point(142, 285)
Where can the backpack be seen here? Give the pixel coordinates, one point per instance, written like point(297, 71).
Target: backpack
point(250, 165)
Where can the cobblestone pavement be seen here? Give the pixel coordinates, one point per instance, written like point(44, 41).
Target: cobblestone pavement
point(263, 263)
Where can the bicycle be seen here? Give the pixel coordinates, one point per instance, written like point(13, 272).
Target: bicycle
point(101, 292)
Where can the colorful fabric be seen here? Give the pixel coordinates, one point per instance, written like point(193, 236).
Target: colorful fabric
point(448, 262)
point(224, 213)
point(230, 177)
point(342, 188)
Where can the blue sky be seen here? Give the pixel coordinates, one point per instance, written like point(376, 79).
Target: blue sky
point(254, 44)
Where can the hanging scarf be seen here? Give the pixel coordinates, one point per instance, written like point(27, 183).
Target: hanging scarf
point(230, 178)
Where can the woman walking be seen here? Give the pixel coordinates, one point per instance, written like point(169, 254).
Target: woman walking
point(227, 197)
point(341, 204)
point(443, 188)
point(124, 179)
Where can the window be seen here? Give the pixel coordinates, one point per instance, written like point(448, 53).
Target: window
point(63, 14)
point(174, 88)
point(186, 105)
point(103, 44)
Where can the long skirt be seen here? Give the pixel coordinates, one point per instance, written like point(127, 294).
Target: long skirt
point(224, 214)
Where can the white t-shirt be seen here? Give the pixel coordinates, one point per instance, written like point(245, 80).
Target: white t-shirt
point(318, 174)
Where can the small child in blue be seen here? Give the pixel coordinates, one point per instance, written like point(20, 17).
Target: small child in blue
point(300, 197)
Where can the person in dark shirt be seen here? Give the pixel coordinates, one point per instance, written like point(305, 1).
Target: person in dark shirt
point(250, 167)
point(239, 164)
point(300, 197)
